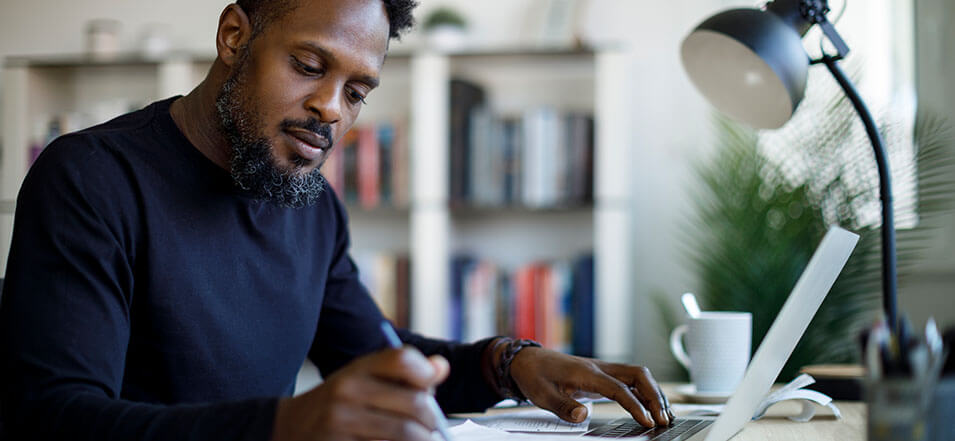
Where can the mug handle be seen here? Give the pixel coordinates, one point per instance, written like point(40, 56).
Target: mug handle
point(676, 345)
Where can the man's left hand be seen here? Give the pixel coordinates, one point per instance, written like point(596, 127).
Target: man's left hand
point(551, 380)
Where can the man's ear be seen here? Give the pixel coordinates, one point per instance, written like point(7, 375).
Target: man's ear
point(234, 31)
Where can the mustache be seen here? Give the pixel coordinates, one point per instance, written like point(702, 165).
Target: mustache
point(312, 125)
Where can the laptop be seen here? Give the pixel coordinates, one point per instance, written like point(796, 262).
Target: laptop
point(810, 290)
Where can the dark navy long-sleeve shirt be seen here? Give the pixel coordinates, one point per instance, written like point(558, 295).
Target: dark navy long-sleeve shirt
point(146, 298)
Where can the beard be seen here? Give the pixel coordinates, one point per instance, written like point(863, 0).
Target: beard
point(253, 166)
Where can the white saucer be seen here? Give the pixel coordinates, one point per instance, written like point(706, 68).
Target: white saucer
point(689, 393)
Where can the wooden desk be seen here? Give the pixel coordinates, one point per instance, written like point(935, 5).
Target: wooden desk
point(775, 425)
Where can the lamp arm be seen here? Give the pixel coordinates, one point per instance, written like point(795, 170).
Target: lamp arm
point(830, 32)
point(889, 278)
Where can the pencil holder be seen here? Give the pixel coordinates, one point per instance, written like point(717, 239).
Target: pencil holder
point(898, 409)
point(942, 415)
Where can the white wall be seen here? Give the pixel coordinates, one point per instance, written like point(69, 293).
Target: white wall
point(930, 292)
point(58, 27)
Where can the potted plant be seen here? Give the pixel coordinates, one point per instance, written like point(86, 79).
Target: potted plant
point(445, 29)
point(760, 215)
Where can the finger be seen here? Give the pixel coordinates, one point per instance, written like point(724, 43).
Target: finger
point(561, 405)
point(406, 365)
point(669, 409)
point(441, 368)
point(368, 424)
point(645, 388)
point(400, 400)
point(616, 390)
point(654, 404)
point(650, 391)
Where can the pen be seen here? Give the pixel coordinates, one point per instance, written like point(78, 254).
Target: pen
point(395, 343)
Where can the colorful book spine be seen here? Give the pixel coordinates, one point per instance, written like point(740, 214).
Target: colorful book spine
point(551, 302)
point(368, 167)
point(541, 159)
point(334, 168)
point(400, 166)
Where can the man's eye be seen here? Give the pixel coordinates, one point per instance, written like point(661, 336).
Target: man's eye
point(355, 97)
point(306, 69)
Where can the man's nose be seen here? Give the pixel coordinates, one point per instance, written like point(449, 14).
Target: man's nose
point(325, 102)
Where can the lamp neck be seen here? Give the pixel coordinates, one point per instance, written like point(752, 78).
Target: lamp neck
point(800, 14)
point(803, 14)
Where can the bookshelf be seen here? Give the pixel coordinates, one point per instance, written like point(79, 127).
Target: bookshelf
point(589, 81)
point(429, 229)
point(75, 91)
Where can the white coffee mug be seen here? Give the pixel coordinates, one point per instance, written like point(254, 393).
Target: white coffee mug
point(717, 349)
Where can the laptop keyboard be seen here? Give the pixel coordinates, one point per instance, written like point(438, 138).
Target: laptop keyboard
point(680, 430)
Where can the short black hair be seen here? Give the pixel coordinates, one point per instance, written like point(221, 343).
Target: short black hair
point(261, 13)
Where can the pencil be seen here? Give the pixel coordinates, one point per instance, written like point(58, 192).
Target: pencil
point(395, 342)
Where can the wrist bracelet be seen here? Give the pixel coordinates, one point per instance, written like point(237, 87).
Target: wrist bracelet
point(507, 388)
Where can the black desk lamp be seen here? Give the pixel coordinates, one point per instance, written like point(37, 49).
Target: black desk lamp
point(750, 64)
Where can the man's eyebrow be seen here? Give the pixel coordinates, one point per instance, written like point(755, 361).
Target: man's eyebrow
point(370, 80)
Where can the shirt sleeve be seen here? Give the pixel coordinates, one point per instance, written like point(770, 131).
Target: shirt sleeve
point(349, 327)
point(65, 316)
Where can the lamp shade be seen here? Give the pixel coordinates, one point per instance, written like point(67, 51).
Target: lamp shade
point(750, 64)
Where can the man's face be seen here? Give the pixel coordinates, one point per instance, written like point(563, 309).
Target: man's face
point(295, 90)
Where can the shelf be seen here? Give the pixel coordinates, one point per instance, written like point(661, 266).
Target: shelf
point(499, 52)
point(87, 60)
point(504, 53)
point(471, 210)
point(380, 211)
point(481, 211)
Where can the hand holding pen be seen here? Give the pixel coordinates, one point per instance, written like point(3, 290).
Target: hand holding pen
point(442, 423)
point(383, 395)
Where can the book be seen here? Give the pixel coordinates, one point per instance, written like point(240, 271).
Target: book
point(383, 289)
point(580, 149)
point(510, 133)
point(403, 292)
point(484, 185)
point(460, 266)
point(465, 98)
point(400, 164)
point(386, 145)
point(334, 168)
point(387, 278)
point(480, 292)
point(582, 315)
point(369, 167)
point(349, 147)
point(525, 306)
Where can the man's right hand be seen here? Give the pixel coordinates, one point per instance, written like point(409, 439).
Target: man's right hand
point(380, 396)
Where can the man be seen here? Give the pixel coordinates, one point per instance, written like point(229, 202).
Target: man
point(171, 269)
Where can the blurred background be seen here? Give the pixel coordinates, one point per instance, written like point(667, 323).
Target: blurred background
point(544, 168)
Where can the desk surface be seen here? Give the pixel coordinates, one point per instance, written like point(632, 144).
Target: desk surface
point(776, 426)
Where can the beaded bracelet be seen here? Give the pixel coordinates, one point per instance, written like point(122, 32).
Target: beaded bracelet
point(505, 383)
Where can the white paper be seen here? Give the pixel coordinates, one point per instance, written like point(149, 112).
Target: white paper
point(807, 397)
point(534, 420)
point(470, 431)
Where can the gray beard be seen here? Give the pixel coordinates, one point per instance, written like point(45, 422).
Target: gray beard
point(253, 166)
